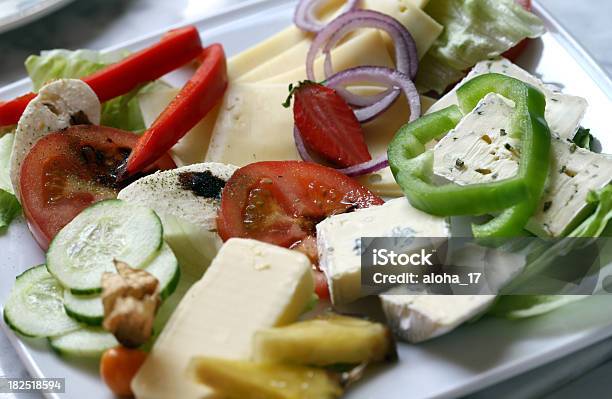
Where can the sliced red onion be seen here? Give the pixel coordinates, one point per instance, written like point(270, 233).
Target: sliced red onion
point(305, 14)
point(367, 167)
point(405, 46)
point(352, 171)
point(366, 114)
point(381, 75)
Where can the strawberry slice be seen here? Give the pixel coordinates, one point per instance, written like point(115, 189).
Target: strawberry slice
point(328, 125)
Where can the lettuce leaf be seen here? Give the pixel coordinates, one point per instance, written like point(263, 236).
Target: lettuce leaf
point(474, 30)
point(6, 146)
point(596, 225)
point(9, 206)
point(584, 139)
point(122, 112)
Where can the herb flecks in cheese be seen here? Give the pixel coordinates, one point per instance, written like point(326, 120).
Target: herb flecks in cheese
point(574, 171)
point(563, 112)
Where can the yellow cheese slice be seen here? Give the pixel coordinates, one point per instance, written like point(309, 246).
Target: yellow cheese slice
point(287, 50)
point(424, 29)
point(249, 286)
point(243, 136)
point(347, 55)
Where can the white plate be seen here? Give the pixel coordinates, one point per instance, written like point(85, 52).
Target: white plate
point(15, 13)
point(469, 359)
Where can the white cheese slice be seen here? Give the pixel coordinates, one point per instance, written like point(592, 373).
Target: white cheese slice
point(573, 172)
point(189, 219)
point(249, 286)
point(563, 112)
point(57, 106)
point(416, 318)
point(338, 241)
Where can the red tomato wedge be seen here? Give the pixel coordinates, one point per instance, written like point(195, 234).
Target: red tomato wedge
point(199, 95)
point(328, 125)
point(67, 171)
point(517, 50)
point(175, 49)
point(281, 202)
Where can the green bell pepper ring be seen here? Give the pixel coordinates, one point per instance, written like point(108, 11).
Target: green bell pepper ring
point(412, 164)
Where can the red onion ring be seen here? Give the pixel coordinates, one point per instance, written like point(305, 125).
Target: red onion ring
point(352, 171)
point(305, 18)
point(405, 46)
point(389, 77)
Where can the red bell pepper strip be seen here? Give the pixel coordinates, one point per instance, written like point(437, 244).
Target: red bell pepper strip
point(199, 95)
point(174, 50)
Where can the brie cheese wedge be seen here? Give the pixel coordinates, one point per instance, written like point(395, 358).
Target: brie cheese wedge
point(339, 239)
point(481, 141)
point(563, 112)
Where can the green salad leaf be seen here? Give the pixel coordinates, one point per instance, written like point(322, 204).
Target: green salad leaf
point(6, 146)
point(9, 206)
point(583, 138)
point(122, 112)
point(596, 225)
point(474, 30)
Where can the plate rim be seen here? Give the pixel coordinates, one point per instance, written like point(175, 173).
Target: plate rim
point(248, 9)
point(31, 14)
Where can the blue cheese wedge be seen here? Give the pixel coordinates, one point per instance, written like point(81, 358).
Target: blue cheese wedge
point(480, 150)
point(339, 239)
point(563, 112)
point(417, 318)
point(58, 105)
point(187, 200)
point(250, 286)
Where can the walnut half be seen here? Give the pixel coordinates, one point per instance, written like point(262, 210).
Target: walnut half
point(131, 299)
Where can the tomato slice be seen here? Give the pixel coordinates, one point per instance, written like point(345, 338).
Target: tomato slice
point(281, 202)
point(67, 171)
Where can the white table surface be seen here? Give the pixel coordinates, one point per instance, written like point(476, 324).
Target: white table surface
point(98, 24)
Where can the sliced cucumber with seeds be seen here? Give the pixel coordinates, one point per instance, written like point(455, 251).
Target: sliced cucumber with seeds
point(35, 307)
point(85, 342)
point(108, 230)
point(89, 310)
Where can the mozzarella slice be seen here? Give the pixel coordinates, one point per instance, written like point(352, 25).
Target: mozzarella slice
point(249, 286)
point(58, 105)
point(187, 200)
point(338, 241)
point(487, 152)
point(563, 112)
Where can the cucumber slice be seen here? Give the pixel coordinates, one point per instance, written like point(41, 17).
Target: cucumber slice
point(108, 230)
point(85, 342)
point(35, 308)
point(89, 310)
point(166, 268)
